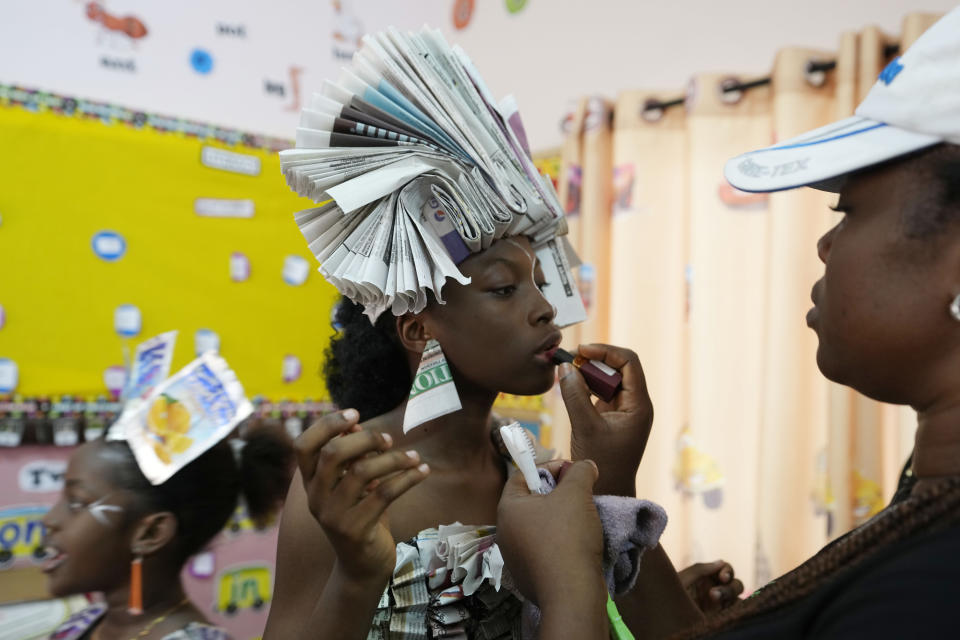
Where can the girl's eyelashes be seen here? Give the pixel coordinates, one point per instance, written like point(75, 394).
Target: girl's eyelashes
point(510, 289)
point(75, 505)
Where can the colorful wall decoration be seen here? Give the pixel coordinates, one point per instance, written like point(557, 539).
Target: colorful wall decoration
point(123, 225)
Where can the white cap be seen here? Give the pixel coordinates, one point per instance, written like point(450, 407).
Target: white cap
point(914, 104)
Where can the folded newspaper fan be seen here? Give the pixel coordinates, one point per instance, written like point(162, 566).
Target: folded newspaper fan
point(415, 167)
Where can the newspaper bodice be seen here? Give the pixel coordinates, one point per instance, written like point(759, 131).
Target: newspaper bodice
point(448, 582)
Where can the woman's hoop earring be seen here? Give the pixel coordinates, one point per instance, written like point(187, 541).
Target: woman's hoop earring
point(955, 308)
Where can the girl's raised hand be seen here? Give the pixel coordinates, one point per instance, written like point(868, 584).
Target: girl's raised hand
point(612, 434)
point(351, 476)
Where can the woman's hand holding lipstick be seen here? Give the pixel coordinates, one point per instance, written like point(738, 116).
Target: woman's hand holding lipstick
point(613, 434)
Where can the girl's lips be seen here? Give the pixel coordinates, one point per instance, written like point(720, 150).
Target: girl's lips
point(53, 558)
point(548, 347)
point(547, 356)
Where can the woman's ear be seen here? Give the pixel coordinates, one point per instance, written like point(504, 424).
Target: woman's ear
point(413, 332)
point(154, 532)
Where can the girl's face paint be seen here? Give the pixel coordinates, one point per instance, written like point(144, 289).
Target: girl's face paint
point(99, 510)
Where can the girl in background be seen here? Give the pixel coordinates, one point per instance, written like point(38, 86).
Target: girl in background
point(114, 532)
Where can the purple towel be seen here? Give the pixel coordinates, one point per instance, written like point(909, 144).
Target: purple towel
point(630, 527)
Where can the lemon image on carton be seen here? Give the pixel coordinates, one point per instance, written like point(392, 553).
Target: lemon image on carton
point(169, 420)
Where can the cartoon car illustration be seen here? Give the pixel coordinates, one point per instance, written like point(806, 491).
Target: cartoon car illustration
point(243, 587)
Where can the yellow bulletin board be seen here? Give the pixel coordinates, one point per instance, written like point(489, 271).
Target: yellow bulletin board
point(70, 170)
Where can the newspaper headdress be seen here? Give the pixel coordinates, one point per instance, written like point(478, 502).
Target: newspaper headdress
point(414, 167)
point(170, 421)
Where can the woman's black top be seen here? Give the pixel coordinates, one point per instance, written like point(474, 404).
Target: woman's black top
point(909, 590)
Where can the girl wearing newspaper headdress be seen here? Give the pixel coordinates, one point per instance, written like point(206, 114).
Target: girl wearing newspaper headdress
point(121, 530)
point(434, 224)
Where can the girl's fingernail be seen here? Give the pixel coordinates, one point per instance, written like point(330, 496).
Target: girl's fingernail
point(350, 414)
point(716, 594)
point(413, 455)
point(424, 468)
point(387, 440)
point(564, 370)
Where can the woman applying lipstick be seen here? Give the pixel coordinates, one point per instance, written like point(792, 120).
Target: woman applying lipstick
point(112, 529)
point(498, 336)
point(887, 319)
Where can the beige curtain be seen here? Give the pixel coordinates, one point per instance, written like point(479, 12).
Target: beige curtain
point(794, 394)
point(648, 302)
point(727, 275)
point(594, 275)
point(756, 457)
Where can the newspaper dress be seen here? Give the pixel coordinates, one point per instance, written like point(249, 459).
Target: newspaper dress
point(447, 584)
point(448, 581)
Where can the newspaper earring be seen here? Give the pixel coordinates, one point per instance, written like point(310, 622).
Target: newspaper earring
point(135, 602)
point(433, 393)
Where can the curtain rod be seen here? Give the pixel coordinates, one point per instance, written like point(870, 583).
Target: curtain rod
point(813, 67)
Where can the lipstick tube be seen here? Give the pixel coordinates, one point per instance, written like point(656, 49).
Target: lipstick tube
point(602, 379)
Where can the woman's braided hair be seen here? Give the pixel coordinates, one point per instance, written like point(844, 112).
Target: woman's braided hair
point(931, 509)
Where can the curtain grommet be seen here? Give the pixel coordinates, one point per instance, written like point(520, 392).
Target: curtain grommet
point(596, 113)
point(730, 91)
point(652, 110)
point(815, 73)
